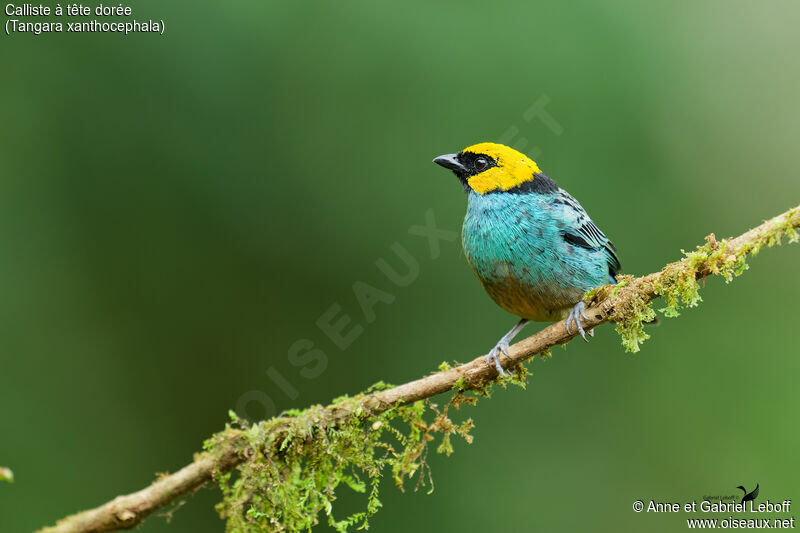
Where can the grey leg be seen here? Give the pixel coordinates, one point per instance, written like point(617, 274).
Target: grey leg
point(502, 346)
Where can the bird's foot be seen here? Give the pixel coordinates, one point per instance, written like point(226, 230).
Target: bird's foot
point(575, 316)
point(493, 357)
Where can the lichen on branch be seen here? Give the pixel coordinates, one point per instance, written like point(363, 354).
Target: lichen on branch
point(679, 283)
point(292, 466)
point(282, 474)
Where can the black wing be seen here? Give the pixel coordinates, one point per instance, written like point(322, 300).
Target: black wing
point(584, 233)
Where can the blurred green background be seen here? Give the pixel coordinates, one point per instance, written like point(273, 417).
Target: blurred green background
point(177, 211)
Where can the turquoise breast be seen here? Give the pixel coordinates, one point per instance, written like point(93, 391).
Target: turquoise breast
point(515, 245)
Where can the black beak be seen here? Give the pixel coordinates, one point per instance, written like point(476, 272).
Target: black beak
point(450, 161)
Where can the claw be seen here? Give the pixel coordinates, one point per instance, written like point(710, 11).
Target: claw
point(492, 358)
point(575, 316)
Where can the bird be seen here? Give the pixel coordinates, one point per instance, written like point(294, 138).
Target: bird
point(531, 245)
point(748, 496)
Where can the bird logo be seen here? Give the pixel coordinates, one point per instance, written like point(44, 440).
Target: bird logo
point(531, 245)
point(748, 496)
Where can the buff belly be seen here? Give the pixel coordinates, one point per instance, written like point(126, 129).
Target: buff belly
point(540, 304)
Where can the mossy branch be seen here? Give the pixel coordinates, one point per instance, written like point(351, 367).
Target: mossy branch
point(288, 467)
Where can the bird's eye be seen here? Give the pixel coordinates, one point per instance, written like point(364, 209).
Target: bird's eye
point(480, 164)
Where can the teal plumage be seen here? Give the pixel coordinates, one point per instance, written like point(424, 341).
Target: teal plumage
point(515, 244)
point(532, 246)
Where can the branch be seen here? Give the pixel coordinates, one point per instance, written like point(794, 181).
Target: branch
point(627, 304)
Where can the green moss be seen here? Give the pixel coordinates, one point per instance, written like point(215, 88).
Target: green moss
point(630, 314)
point(518, 376)
point(678, 282)
point(293, 466)
point(444, 425)
point(679, 287)
point(596, 294)
point(623, 281)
